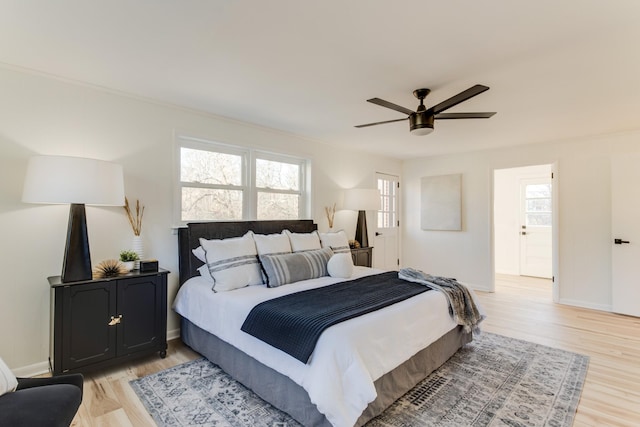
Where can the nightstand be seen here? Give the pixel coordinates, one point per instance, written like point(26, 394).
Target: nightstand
point(100, 322)
point(362, 256)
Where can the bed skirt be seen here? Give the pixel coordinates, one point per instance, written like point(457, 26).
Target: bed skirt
point(286, 395)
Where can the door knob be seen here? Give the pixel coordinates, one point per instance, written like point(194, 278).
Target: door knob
point(378, 233)
point(524, 233)
point(620, 241)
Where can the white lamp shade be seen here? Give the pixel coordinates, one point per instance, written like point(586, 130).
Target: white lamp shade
point(61, 179)
point(362, 199)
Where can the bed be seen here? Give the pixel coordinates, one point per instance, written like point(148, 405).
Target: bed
point(277, 379)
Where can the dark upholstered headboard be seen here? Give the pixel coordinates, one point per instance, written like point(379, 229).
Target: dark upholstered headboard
point(188, 237)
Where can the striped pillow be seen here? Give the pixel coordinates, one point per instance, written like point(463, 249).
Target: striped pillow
point(272, 243)
point(303, 241)
point(288, 268)
point(233, 263)
point(8, 381)
point(337, 241)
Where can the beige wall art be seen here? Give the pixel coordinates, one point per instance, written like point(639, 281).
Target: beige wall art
point(441, 205)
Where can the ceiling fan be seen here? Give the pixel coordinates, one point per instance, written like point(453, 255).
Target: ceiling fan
point(421, 120)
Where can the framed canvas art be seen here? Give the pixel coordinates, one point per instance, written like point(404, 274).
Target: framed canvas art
point(441, 202)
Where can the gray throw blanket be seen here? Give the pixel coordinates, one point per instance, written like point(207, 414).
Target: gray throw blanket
point(462, 306)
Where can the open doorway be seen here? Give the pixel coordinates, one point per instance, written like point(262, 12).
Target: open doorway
point(523, 229)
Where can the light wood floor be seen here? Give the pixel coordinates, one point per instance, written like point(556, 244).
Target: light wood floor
point(520, 308)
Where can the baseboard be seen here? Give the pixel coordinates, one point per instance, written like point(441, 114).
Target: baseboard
point(583, 304)
point(476, 287)
point(173, 334)
point(41, 368)
point(32, 370)
point(508, 272)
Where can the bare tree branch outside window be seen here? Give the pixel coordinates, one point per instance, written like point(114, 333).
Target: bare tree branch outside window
point(212, 186)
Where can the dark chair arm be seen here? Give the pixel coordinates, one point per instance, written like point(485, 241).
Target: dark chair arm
point(73, 379)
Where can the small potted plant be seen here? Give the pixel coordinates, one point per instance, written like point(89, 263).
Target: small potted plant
point(129, 258)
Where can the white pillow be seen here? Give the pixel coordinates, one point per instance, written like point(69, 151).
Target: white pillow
point(233, 263)
point(203, 269)
point(204, 272)
point(337, 241)
point(303, 241)
point(272, 244)
point(199, 253)
point(8, 381)
point(340, 265)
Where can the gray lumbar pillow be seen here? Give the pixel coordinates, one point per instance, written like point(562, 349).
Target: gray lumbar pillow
point(288, 268)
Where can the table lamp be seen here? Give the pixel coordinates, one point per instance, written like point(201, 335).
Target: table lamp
point(77, 181)
point(362, 200)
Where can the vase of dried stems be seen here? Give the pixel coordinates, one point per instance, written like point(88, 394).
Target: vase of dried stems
point(136, 225)
point(138, 247)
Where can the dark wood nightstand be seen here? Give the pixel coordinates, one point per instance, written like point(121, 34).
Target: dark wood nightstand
point(362, 256)
point(100, 322)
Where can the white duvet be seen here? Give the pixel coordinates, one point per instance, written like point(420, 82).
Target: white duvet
point(348, 357)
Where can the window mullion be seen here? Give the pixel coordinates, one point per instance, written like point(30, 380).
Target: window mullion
point(302, 185)
point(278, 191)
point(252, 197)
point(211, 186)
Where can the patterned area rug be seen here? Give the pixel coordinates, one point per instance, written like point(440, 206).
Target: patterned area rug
point(494, 381)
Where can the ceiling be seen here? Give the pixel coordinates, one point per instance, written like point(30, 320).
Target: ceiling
point(557, 69)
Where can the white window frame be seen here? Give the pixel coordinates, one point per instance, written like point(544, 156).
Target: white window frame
point(248, 186)
point(281, 158)
point(393, 199)
point(525, 211)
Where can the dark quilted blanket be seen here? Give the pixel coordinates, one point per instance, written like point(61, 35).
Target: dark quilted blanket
point(293, 323)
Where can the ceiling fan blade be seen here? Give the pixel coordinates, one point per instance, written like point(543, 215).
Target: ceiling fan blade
point(381, 123)
point(387, 104)
point(442, 116)
point(457, 99)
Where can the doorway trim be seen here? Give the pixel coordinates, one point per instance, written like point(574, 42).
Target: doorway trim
point(397, 212)
point(555, 207)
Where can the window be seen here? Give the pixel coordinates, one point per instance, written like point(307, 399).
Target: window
point(388, 186)
point(278, 189)
point(212, 185)
point(537, 209)
point(225, 183)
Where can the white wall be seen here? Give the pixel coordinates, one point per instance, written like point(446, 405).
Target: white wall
point(41, 115)
point(506, 214)
point(583, 185)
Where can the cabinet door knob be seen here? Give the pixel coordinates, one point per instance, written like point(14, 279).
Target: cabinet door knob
point(115, 320)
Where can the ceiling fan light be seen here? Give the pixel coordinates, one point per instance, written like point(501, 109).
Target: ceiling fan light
point(421, 131)
point(420, 123)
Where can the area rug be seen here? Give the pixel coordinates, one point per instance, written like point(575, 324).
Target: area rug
point(493, 381)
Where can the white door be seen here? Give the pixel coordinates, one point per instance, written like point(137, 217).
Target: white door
point(625, 212)
point(385, 251)
point(535, 229)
